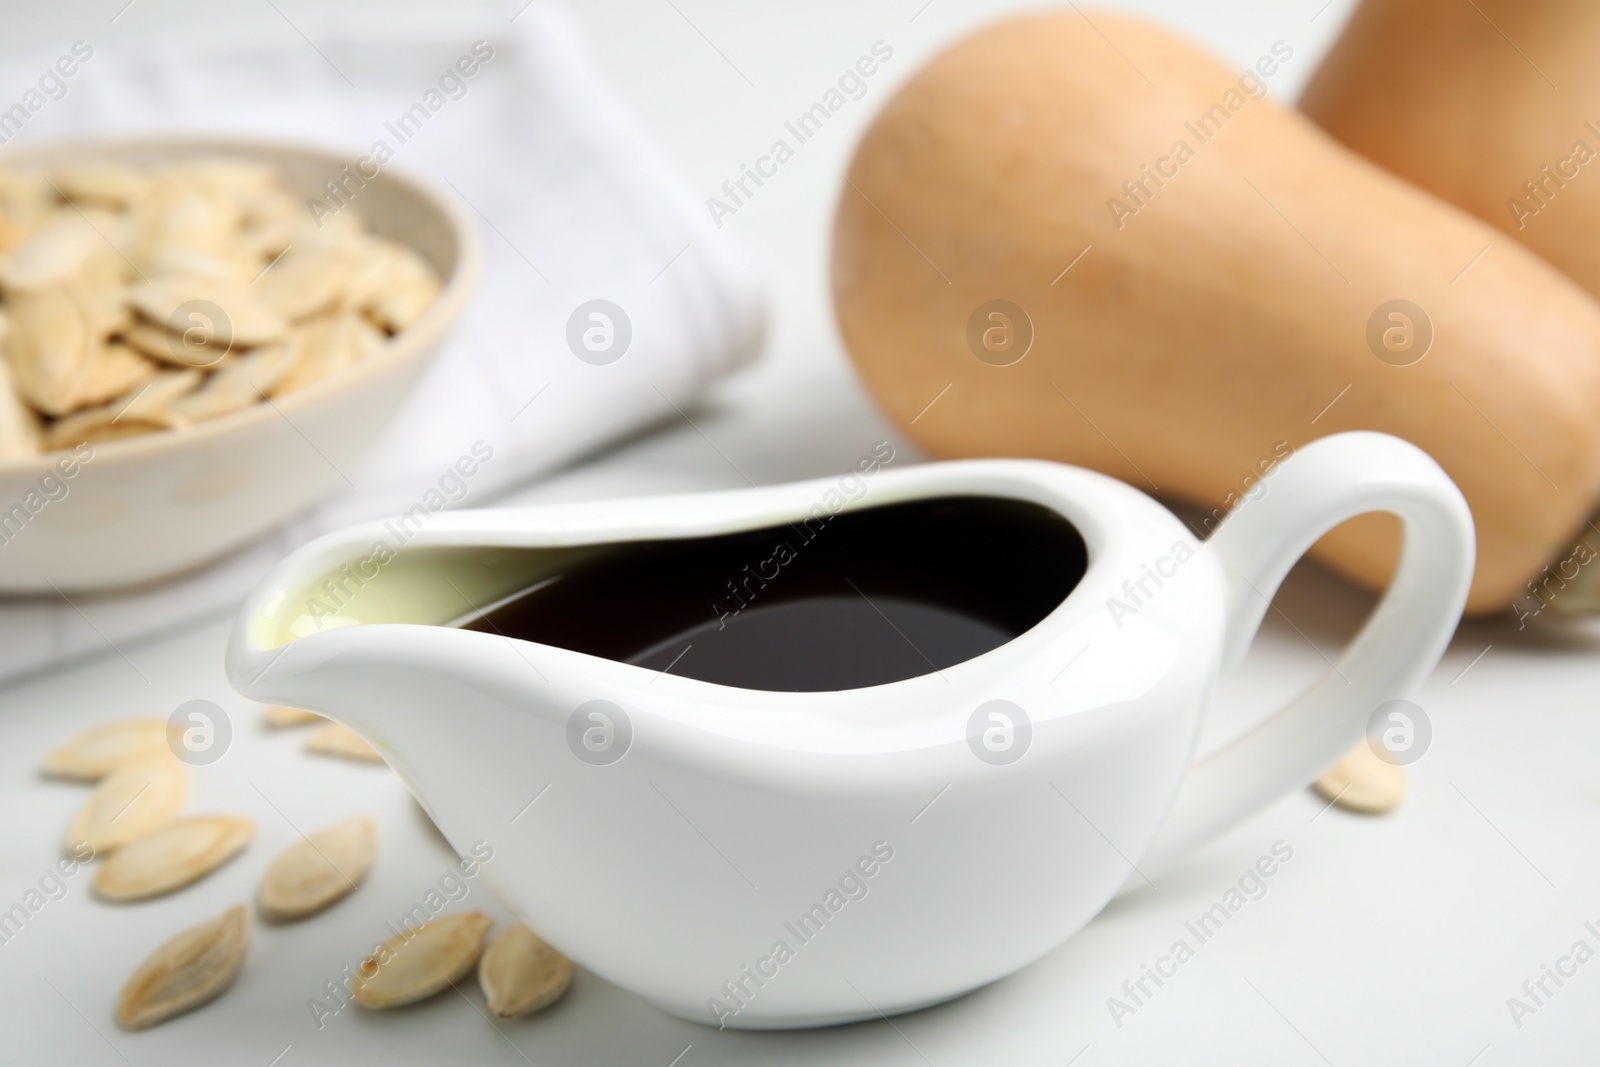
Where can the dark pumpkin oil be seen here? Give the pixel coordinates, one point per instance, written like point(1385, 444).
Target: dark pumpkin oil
point(860, 598)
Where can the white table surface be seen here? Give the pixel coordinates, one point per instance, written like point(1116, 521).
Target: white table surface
point(1383, 941)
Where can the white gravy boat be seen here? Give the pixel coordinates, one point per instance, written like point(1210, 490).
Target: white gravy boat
point(766, 859)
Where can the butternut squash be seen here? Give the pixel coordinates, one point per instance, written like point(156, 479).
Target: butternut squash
point(1463, 100)
point(1190, 275)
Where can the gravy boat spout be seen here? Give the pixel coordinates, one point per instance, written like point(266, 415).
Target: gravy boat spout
point(764, 854)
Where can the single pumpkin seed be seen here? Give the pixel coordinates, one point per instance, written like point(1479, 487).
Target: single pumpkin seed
point(48, 346)
point(238, 383)
point(1362, 782)
point(226, 174)
point(229, 264)
point(319, 871)
point(409, 290)
point(270, 209)
point(113, 370)
point(176, 349)
point(306, 279)
point(98, 290)
point(266, 236)
point(25, 198)
point(415, 966)
point(172, 857)
point(336, 739)
point(101, 749)
point(520, 974)
point(181, 213)
point(144, 409)
point(187, 971)
point(97, 426)
point(133, 800)
point(51, 255)
point(277, 717)
point(329, 344)
point(110, 184)
point(158, 395)
point(19, 426)
point(373, 264)
point(180, 306)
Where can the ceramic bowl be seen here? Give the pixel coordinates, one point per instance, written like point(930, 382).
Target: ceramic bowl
point(143, 508)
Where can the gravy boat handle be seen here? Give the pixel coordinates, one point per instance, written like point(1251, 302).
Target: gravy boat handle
point(1325, 483)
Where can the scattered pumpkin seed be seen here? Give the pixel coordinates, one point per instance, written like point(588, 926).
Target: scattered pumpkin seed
point(319, 871)
point(172, 857)
point(425, 961)
point(336, 739)
point(101, 749)
point(278, 717)
point(1362, 782)
point(520, 974)
point(186, 971)
point(133, 800)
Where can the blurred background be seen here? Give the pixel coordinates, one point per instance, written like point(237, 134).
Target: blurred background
point(713, 83)
point(1390, 941)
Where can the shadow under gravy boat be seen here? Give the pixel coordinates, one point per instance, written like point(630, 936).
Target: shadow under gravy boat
point(759, 858)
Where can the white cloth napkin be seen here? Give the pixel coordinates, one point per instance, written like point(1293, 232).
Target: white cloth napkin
point(574, 204)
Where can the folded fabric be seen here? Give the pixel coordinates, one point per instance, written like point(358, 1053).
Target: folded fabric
point(575, 205)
